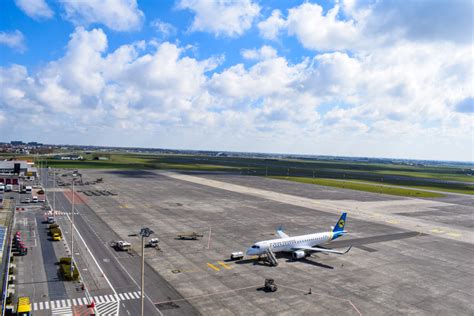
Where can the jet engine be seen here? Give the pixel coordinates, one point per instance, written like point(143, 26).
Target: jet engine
point(298, 254)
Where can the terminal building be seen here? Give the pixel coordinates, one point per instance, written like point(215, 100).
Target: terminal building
point(12, 171)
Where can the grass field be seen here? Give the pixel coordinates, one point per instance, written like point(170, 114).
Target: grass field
point(132, 161)
point(442, 178)
point(363, 187)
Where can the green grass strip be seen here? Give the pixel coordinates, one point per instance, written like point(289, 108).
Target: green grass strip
point(363, 187)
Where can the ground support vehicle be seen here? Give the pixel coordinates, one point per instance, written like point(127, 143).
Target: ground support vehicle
point(189, 235)
point(238, 255)
point(270, 285)
point(121, 245)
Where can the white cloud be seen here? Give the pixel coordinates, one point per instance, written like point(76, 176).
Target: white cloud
point(163, 28)
point(362, 25)
point(436, 20)
point(14, 40)
point(270, 28)
point(118, 15)
point(36, 9)
point(265, 52)
point(388, 100)
point(319, 31)
point(222, 17)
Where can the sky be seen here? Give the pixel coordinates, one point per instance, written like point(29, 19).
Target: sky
point(349, 78)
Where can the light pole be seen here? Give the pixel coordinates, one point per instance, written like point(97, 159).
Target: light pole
point(144, 233)
point(72, 232)
point(54, 194)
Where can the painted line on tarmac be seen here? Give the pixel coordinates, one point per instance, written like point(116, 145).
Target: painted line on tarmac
point(207, 295)
point(226, 266)
point(210, 265)
point(324, 295)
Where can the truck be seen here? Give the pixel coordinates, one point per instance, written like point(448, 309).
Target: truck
point(23, 306)
point(189, 236)
point(121, 245)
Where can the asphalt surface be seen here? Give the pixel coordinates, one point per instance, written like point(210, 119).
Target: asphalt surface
point(122, 270)
point(391, 270)
point(56, 288)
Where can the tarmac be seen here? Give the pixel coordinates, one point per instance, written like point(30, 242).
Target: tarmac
point(428, 271)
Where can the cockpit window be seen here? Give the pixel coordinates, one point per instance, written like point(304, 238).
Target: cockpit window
point(255, 247)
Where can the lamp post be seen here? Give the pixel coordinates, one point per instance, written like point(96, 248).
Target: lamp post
point(72, 231)
point(144, 233)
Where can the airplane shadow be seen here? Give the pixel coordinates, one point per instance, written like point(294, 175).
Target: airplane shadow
point(288, 258)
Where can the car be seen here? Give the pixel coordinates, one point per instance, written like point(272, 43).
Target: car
point(51, 220)
point(27, 200)
point(56, 237)
point(35, 199)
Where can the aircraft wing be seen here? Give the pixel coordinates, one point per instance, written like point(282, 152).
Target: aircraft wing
point(281, 233)
point(317, 249)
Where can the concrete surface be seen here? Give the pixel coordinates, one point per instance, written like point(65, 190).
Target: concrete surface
point(425, 275)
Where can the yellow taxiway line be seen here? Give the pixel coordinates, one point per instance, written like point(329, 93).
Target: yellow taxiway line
point(210, 265)
point(226, 266)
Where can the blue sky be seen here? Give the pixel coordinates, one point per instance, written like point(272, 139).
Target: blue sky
point(353, 78)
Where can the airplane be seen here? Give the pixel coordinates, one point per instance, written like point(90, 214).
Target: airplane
point(303, 245)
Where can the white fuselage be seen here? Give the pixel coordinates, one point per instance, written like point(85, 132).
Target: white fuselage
point(290, 243)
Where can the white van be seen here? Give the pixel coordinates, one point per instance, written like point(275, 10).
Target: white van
point(8, 187)
point(28, 189)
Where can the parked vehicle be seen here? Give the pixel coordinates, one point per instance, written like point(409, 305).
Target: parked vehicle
point(238, 255)
point(189, 235)
point(153, 243)
point(24, 306)
point(270, 285)
point(121, 245)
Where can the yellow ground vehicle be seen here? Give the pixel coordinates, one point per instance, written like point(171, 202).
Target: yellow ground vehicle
point(56, 237)
point(24, 306)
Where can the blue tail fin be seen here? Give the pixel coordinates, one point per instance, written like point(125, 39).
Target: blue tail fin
point(339, 227)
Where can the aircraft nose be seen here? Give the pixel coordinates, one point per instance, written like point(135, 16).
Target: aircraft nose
point(250, 251)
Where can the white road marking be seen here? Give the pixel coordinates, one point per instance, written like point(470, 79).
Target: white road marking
point(93, 258)
point(126, 295)
point(121, 296)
